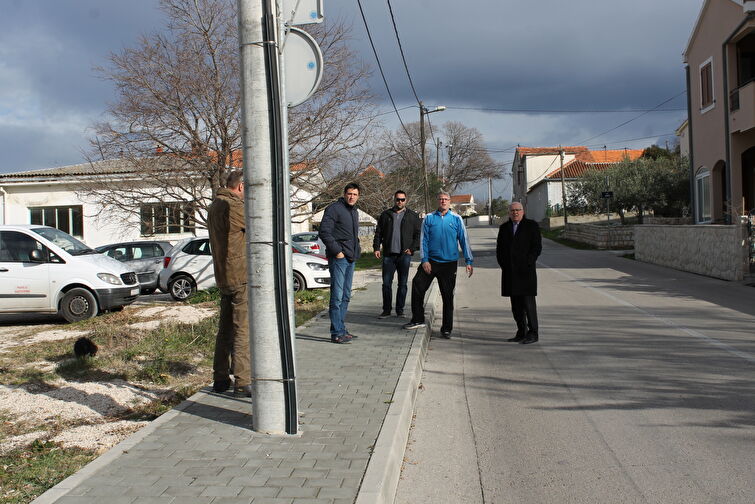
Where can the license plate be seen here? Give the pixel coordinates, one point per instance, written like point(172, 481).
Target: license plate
point(134, 292)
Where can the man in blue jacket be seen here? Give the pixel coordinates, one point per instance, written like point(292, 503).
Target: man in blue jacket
point(339, 231)
point(443, 232)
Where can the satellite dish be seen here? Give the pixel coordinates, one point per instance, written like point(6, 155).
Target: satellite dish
point(303, 64)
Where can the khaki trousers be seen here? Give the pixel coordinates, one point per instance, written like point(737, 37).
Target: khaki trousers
point(232, 341)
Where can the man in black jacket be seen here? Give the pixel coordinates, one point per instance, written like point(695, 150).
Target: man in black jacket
point(339, 231)
point(517, 249)
point(396, 238)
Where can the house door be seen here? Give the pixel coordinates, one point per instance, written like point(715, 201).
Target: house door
point(748, 180)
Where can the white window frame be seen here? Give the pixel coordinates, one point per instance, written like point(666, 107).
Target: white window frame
point(712, 105)
point(702, 196)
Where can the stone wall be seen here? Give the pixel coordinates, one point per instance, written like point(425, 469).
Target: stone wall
point(602, 237)
point(713, 250)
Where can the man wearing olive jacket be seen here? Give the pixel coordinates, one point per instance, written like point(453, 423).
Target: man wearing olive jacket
point(227, 228)
point(339, 231)
point(396, 238)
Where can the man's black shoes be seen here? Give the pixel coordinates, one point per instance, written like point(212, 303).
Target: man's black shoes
point(446, 334)
point(221, 386)
point(531, 338)
point(385, 314)
point(245, 391)
point(517, 338)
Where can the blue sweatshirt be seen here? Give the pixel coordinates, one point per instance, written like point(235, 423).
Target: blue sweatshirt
point(441, 237)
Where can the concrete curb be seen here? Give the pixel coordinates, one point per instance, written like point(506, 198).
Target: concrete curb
point(68, 484)
point(384, 468)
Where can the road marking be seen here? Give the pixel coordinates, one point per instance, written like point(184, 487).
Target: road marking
point(695, 334)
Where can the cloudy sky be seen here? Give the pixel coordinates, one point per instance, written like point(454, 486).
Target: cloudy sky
point(558, 58)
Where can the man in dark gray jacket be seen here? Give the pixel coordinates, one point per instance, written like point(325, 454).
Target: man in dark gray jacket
point(339, 231)
point(396, 238)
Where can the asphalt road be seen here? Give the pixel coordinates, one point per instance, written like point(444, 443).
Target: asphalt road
point(641, 389)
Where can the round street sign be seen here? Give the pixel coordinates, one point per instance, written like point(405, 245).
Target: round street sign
point(303, 66)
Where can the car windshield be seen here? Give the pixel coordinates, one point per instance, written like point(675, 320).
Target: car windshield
point(64, 241)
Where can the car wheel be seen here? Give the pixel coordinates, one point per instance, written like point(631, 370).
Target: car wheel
point(78, 304)
point(181, 287)
point(148, 291)
point(299, 283)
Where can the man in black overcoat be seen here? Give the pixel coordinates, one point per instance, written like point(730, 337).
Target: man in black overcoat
point(517, 249)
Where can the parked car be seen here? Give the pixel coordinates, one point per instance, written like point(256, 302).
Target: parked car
point(45, 270)
point(299, 249)
point(309, 240)
point(188, 268)
point(144, 257)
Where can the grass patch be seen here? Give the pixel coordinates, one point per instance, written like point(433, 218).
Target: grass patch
point(555, 235)
point(309, 303)
point(205, 296)
point(30, 471)
point(367, 261)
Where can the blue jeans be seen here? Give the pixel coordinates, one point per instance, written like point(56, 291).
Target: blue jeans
point(341, 275)
point(395, 263)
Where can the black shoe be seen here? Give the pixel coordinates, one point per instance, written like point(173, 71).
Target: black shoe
point(531, 338)
point(517, 337)
point(221, 386)
point(385, 314)
point(446, 334)
point(400, 314)
point(352, 336)
point(341, 340)
point(245, 391)
point(413, 325)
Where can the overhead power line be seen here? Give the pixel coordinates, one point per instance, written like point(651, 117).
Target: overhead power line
point(664, 102)
point(565, 111)
point(380, 67)
point(401, 50)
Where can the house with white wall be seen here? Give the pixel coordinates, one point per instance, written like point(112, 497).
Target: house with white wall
point(537, 173)
point(54, 197)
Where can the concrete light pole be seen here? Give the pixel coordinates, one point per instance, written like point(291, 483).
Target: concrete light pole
point(422, 113)
point(273, 390)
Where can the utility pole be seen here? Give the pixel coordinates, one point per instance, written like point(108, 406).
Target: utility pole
point(423, 162)
point(490, 201)
point(438, 145)
point(563, 184)
point(263, 140)
point(422, 113)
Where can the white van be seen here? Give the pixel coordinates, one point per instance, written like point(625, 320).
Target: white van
point(45, 270)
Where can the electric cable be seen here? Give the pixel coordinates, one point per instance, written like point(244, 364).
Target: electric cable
point(380, 67)
point(634, 118)
point(401, 50)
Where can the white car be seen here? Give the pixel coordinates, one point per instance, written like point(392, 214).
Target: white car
point(45, 270)
point(188, 268)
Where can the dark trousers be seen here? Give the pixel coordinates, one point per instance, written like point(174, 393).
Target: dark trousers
point(524, 310)
point(232, 340)
point(395, 263)
point(446, 275)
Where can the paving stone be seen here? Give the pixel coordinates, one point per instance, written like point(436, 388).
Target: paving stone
point(207, 453)
point(298, 492)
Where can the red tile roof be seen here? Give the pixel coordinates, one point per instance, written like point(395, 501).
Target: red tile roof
point(461, 198)
point(575, 168)
point(584, 154)
point(371, 170)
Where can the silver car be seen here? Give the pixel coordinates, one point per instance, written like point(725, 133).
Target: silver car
point(143, 257)
point(309, 240)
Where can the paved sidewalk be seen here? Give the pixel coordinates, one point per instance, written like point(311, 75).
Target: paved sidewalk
point(355, 406)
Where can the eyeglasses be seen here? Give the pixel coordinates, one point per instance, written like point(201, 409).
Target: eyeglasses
point(400, 199)
point(515, 210)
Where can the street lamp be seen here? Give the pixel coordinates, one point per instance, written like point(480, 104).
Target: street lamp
point(423, 111)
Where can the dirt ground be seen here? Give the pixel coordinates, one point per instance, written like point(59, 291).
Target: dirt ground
point(92, 406)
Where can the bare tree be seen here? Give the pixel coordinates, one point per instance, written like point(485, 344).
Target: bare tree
point(175, 127)
point(468, 159)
